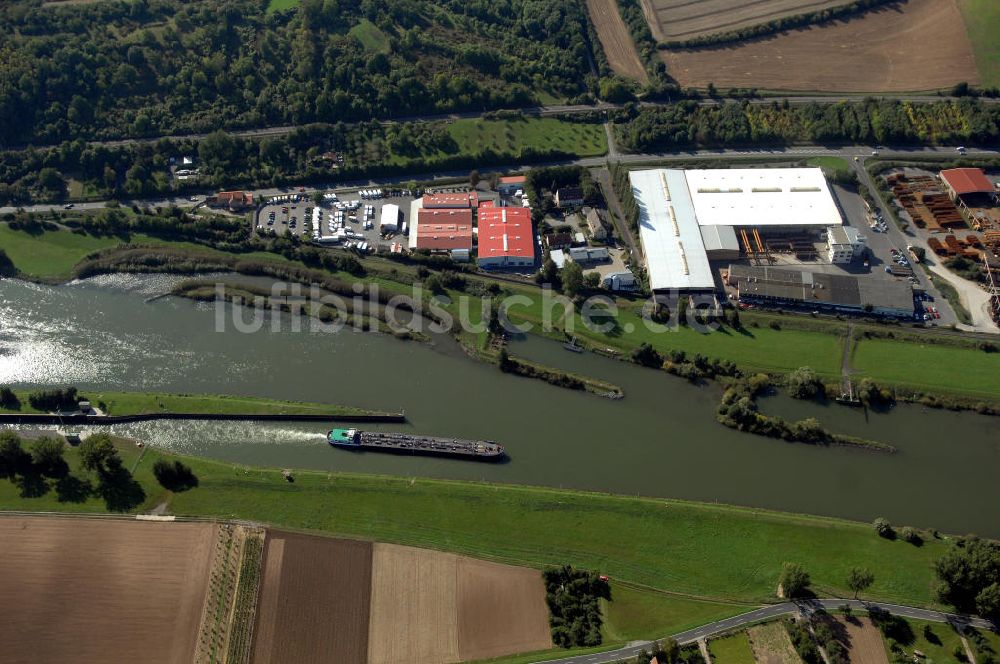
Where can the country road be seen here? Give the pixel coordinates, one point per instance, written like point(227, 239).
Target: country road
point(774, 611)
point(534, 111)
point(803, 152)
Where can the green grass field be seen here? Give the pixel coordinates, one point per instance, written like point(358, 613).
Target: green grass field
point(373, 39)
point(49, 255)
point(833, 166)
point(734, 649)
point(982, 21)
point(937, 643)
point(513, 136)
point(929, 367)
point(132, 403)
point(281, 5)
point(637, 615)
point(713, 552)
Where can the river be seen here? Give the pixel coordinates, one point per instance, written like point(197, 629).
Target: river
point(661, 440)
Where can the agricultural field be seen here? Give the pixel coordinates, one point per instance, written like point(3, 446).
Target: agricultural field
point(616, 40)
point(126, 591)
point(392, 604)
point(637, 614)
point(982, 19)
point(314, 600)
point(538, 134)
point(681, 20)
point(771, 644)
point(864, 641)
point(919, 46)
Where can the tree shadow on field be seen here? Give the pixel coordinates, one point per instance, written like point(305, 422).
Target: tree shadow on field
point(119, 489)
point(71, 489)
point(32, 485)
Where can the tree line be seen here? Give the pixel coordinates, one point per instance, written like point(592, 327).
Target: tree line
point(872, 121)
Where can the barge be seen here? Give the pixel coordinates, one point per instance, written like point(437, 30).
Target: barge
point(404, 443)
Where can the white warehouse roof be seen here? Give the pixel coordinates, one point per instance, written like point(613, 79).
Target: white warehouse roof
point(390, 217)
point(762, 197)
point(671, 238)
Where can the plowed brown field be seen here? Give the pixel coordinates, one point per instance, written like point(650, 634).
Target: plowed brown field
point(615, 39)
point(501, 610)
point(433, 608)
point(679, 20)
point(88, 590)
point(866, 645)
point(921, 45)
point(314, 600)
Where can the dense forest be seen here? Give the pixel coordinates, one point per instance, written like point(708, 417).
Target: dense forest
point(873, 121)
point(153, 67)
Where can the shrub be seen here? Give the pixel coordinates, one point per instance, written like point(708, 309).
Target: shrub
point(794, 580)
point(883, 528)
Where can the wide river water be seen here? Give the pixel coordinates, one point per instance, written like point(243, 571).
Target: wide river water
point(661, 440)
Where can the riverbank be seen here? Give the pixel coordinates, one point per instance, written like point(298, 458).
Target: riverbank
point(689, 550)
point(142, 403)
point(773, 343)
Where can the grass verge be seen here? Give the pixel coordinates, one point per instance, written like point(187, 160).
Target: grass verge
point(135, 403)
point(707, 551)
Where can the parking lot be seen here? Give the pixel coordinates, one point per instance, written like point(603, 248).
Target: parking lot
point(349, 219)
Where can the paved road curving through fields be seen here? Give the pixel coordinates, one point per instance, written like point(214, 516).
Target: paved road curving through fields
point(774, 611)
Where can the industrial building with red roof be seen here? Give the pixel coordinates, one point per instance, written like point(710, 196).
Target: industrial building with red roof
point(444, 229)
point(966, 181)
point(506, 238)
point(469, 200)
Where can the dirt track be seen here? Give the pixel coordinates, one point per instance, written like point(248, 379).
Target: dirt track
point(922, 46)
point(314, 600)
point(88, 590)
point(616, 40)
point(683, 19)
point(501, 610)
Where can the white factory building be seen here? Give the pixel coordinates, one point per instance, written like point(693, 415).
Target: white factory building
point(688, 217)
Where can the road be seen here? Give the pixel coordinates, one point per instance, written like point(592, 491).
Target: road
point(792, 153)
point(535, 111)
point(770, 612)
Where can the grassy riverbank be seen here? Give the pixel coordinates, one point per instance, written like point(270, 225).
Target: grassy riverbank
point(940, 362)
point(711, 552)
point(136, 403)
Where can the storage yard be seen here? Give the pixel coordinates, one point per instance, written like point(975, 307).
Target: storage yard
point(921, 45)
point(126, 591)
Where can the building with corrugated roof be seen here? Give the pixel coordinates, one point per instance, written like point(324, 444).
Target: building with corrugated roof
point(505, 237)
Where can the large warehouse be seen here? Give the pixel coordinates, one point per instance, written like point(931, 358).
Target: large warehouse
point(689, 217)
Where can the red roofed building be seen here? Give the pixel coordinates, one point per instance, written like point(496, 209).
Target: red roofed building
point(506, 238)
point(442, 229)
point(469, 200)
point(966, 182)
point(511, 184)
point(234, 200)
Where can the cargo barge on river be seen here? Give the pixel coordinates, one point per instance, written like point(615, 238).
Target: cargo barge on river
point(404, 443)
